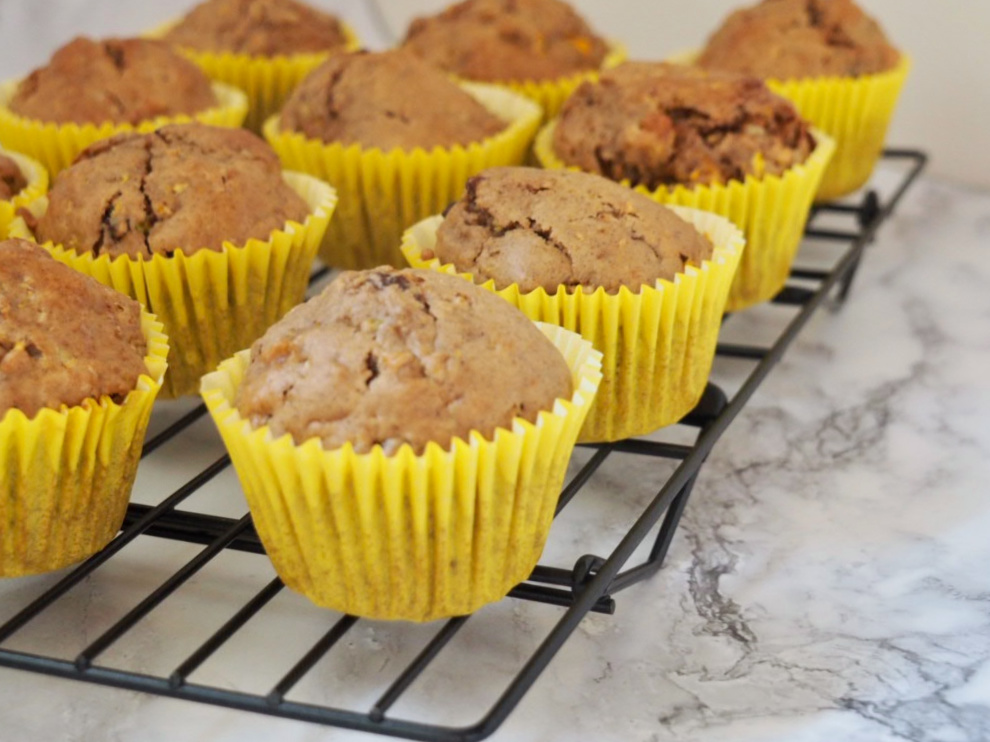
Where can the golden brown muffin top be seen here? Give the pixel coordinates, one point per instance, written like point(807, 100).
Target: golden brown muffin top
point(260, 27)
point(660, 124)
point(400, 356)
point(188, 186)
point(556, 227)
point(787, 39)
point(118, 80)
point(386, 100)
point(12, 180)
point(493, 40)
point(64, 337)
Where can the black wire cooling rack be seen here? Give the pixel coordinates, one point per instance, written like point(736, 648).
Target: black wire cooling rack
point(570, 585)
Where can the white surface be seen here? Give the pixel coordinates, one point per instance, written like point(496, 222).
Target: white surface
point(828, 580)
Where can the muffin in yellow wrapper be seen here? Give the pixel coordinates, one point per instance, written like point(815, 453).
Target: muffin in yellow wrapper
point(407, 537)
point(267, 81)
point(771, 211)
point(213, 303)
point(66, 474)
point(56, 145)
point(37, 186)
point(855, 111)
point(551, 94)
point(657, 343)
point(383, 192)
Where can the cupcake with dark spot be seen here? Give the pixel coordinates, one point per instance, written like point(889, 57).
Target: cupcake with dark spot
point(644, 284)
point(418, 429)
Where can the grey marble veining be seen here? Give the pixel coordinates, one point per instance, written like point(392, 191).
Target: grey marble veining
point(829, 580)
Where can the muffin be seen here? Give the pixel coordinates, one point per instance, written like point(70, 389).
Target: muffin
point(542, 48)
point(79, 369)
point(377, 100)
point(121, 80)
point(186, 186)
point(196, 222)
point(787, 39)
point(833, 61)
point(402, 439)
point(93, 89)
point(643, 284)
point(399, 139)
point(660, 125)
point(711, 140)
point(264, 47)
point(22, 180)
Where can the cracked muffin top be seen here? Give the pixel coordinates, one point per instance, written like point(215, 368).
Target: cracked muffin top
point(556, 227)
point(259, 27)
point(118, 80)
point(787, 39)
point(656, 124)
point(187, 186)
point(12, 180)
point(64, 337)
point(493, 40)
point(400, 356)
point(386, 100)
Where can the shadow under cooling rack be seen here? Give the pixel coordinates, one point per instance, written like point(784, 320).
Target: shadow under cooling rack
point(595, 551)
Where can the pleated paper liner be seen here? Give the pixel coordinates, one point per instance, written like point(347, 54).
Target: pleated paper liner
point(551, 94)
point(771, 211)
point(856, 112)
point(407, 537)
point(56, 145)
point(213, 303)
point(657, 343)
point(37, 186)
point(66, 475)
point(267, 81)
point(383, 192)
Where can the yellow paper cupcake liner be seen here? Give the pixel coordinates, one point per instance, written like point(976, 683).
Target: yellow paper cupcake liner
point(37, 186)
point(856, 112)
point(214, 303)
point(66, 475)
point(382, 193)
point(56, 145)
point(551, 94)
point(771, 211)
point(267, 81)
point(657, 344)
point(407, 537)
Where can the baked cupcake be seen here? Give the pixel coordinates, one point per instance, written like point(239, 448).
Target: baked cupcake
point(540, 48)
point(833, 61)
point(645, 285)
point(402, 439)
point(196, 222)
point(398, 139)
point(711, 140)
point(91, 90)
point(80, 366)
point(264, 47)
point(22, 180)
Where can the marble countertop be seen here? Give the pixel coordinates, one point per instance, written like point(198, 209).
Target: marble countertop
point(828, 581)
